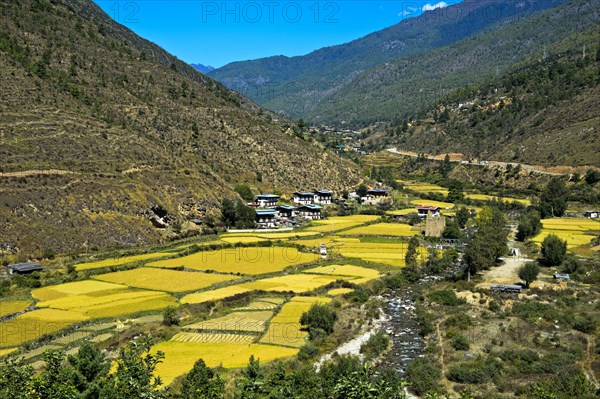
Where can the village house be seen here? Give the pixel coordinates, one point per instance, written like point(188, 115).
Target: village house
point(286, 212)
point(323, 196)
point(310, 211)
point(304, 197)
point(374, 196)
point(24, 268)
point(267, 200)
point(591, 214)
point(423, 211)
point(265, 218)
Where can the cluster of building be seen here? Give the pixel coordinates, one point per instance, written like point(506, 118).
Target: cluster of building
point(308, 205)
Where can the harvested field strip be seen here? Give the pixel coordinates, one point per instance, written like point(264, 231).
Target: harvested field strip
point(165, 280)
point(236, 321)
point(263, 304)
point(339, 291)
point(214, 338)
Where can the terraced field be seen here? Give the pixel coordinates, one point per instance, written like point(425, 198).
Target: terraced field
point(284, 328)
point(337, 223)
point(214, 295)
point(339, 291)
point(296, 283)
point(254, 321)
point(181, 356)
point(264, 304)
point(98, 299)
point(577, 232)
point(164, 279)
point(359, 274)
point(35, 324)
point(382, 229)
point(12, 307)
point(425, 202)
point(244, 260)
point(214, 338)
point(121, 261)
point(389, 254)
point(420, 187)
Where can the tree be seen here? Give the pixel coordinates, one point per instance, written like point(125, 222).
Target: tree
point(554, 250)
point(529, 272)
point(361, 191)
point(245, 217)
point(90, 367)
point(170, 316)
point(489, 241)
point(202, 383)
point(451, 231)
point(592, 176)
point(529, 225)
point(319, 320)
point(462, 217)
point(228, 212)
point(244, 191)
point(134, 375)
point(54, 381)
point(553, 200)
point(455, 191)
point(411, 253)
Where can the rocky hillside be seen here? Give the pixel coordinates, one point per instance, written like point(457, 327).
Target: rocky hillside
point(100, 129)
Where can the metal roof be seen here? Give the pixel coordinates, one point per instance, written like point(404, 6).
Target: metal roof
point(288, 207)
point(304, 193)
point(312, 207)
point(25, 267)
point(268, 196)
point(266, 211)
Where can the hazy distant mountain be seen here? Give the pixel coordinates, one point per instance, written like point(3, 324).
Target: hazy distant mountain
point(299, 86)
point(203, 68)
point(101, 130)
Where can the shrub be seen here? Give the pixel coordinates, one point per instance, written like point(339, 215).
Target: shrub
point(445, 297)
point(585, 323)
point(308, 351)
point(319, 320)
point(461, 343)
point(424, 375)
point(459, 320)
point(376, 345)
point(467, 373)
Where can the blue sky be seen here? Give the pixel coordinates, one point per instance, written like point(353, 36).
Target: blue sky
point(218, 32)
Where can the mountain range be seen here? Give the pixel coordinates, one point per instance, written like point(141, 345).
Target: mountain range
point(101, 130)
point(402, 69)
point(203, 68)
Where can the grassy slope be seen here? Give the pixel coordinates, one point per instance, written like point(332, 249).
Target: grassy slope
point(136, 128)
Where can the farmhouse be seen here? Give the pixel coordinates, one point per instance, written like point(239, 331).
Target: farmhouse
point(265, 217)
point(24, 268)
point(267, 200)
point(286, 212)
point(310, 211)
point(591, 214)
point(374, 196)
point(323, 196)
point(423, 211)
point(304, 197)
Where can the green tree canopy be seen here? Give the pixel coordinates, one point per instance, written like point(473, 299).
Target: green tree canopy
point(529, 272)
point(554, 250)
point(553, 200)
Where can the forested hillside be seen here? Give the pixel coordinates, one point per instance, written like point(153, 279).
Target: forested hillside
point(543, 113)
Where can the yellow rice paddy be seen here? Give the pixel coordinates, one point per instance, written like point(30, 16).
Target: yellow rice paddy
point(244, 260)
point(164, 279)
point(121, 261)
point(383, 229)
point(11, 307)
point(237, 321)
point(214, 338)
